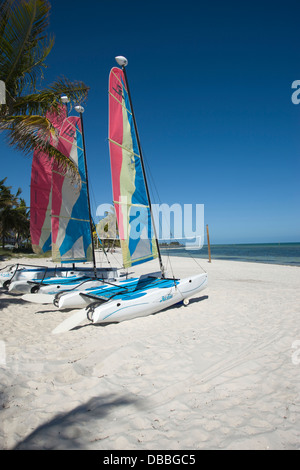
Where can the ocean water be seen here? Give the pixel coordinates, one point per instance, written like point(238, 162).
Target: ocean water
point(273, 253)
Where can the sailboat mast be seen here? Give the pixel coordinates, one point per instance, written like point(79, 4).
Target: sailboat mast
point(124, 62)
point(65, 100)
point(80, 110)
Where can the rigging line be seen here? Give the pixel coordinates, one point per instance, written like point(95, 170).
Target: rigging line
point(92, 194)
point(116, 260)
point(111, 255)
point(152, 182)
point(102, 248)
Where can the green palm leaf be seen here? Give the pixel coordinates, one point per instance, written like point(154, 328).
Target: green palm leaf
point(24, 48)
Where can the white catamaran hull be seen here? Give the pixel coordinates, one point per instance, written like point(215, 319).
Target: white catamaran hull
point(149, 302)
point(64, 281)
point(137, 304)
point(25, 273)
point(51, 295)
point(72, 296)
point(23, 287)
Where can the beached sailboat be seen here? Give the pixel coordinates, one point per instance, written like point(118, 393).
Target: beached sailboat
point(61, 217)
point(40, 209)
point(149, 293)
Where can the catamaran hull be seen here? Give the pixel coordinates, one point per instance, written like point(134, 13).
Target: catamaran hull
point(78, 299)
point(24, 287)
point(65, 281)
point(137, 304)
point(23, 273)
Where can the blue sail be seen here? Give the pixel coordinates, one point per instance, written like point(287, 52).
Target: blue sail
point(71, 232)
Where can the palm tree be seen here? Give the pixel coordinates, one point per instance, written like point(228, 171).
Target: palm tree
point(5, 195)
point(22, 223)
point(10, 217)
point(14, 215)
point(24, 48)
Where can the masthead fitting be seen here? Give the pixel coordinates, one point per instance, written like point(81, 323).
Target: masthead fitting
point(64, 99)
point(79, 109)
point(121, 60)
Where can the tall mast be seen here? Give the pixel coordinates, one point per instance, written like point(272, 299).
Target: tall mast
point(123, 62)
point(80, 110)
point(65, 100)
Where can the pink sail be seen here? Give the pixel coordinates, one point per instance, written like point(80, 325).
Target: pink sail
point(129, 190)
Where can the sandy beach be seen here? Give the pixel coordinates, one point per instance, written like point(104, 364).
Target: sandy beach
point(220, 373)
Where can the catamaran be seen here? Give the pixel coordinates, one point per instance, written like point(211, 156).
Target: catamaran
point(40, 221)
point(60, 217)
point(146, 294)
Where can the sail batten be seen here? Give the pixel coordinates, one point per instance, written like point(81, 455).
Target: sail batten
point(130, 204)
point(129, 190)
point(125, 148)
point(121, 103)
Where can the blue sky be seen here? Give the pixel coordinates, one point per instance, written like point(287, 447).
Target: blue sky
point(211, 87)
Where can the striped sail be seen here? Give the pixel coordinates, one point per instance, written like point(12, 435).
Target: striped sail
point(71, 233)
point(41, 191)
point(129, 190)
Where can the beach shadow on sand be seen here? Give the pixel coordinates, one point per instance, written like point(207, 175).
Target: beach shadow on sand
point(74, 430)
point(9, 299)
point(191, 301)
point(198, 299)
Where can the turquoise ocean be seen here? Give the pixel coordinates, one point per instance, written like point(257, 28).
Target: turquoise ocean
point(272, 253)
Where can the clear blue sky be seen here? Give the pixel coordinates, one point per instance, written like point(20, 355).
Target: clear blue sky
point(211, 87)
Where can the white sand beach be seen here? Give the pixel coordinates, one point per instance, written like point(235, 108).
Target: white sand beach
point(220, 373)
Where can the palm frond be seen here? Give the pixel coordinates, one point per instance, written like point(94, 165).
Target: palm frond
point(5, 8)
point(50, 97)
point(24, 47)
point(24, 44)
point(76, 90)
point(33, 133)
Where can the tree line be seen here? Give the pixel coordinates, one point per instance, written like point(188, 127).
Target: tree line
point(14, 216)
